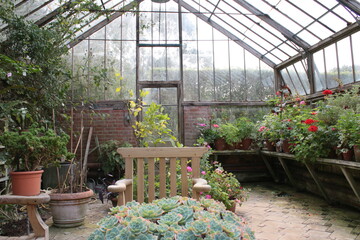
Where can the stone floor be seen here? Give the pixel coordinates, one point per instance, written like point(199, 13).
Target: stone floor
point(278, 212)
point(273, 211)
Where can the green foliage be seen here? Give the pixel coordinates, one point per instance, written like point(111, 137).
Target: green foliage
point(348, 126)
point(246, 128)
point(111, 160)
point(229, 132)
point(35, 148)
point(189, 220)
point(153, 129)
point(224, 185)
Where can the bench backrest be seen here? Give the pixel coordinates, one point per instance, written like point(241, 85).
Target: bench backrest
point(165, 155)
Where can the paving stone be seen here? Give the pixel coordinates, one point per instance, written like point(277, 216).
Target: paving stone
point(317, 235)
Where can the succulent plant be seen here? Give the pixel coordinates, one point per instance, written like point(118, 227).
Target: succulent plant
point(168, 204)
point(172, 218)
point(150, 211)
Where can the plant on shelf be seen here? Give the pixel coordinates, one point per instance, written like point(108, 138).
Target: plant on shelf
point(230, 133)
point(172, 218)
point(348, 127)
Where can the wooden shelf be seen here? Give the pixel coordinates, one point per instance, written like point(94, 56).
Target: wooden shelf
point(343, 165)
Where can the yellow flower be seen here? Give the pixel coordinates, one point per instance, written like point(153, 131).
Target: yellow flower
point(118, 89)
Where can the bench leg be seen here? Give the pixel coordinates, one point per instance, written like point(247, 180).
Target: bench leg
point(38, 225)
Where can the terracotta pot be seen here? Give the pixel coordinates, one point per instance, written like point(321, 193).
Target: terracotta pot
point(232, 208)
point(220, 144)
point(286, 146)
point(357, 153)
point(246, 143)
point(69, 209)
point(270, 146)
point(347, 156)
point(26, 183)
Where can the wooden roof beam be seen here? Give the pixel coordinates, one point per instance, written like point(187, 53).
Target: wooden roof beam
point(226, 33)
point(266, 18)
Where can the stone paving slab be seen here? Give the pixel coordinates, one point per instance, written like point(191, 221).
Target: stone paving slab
point(279, 212)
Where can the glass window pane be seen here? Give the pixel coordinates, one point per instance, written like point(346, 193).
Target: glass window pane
point(190, 67)
point(222, 75)
point(356, 54)
point(319, 71)
point(145, 61)
point(254, 86)
point(345, 61)
point(331, 66)
point(206, 74)
point(173, 64)
point(128, 68)
point(237, 66)
point(267, 81)
point(168, 96)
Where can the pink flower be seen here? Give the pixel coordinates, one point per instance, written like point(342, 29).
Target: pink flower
point(201, 193)
point(189, 169)
point(9, 74)
point(262, 128)
point(278, 93)
point(208, 196)
point(203, 172)
point(333, 129)
point(202, 124)
point(302, 103)
point(215, 125)
point(297, 99)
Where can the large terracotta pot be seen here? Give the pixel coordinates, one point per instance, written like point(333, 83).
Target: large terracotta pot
point(270, 146)
point(69, 209)
point(220, 144)
point(286, 146)
point(246, 143)
point(347, 156)
point(357, 153)
point(26, 183)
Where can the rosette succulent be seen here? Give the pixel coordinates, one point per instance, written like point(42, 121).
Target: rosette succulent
point(172, 218)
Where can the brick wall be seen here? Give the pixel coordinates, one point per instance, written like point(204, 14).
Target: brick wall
point(191, 116)
point(112, 124)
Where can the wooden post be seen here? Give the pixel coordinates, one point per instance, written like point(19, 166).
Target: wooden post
point(317, 181)
point(351, 181)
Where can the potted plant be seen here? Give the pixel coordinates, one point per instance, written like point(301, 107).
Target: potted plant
point(246, 132)
point(230, 133)
point(348, 126)
point(224, 186)
point(30, 150)
point(267, 133)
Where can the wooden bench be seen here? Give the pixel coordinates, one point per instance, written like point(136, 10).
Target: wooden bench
point(148, 156)
point(41, 230)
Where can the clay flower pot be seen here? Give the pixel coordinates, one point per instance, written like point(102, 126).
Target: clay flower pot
point(26, 183)
point(69, 209)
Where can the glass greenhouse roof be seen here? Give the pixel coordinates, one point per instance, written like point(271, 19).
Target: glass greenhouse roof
point(272, 30)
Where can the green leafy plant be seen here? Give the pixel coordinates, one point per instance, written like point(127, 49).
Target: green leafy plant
point(111, 161)
point(230, 133)
point(224, 185)
point(34, 148)
point(190, 219)
point(246, 128)
point(152, 129)
point(348, 127)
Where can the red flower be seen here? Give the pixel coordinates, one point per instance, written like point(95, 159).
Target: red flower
point(278, 93)
point(313, 113)
point(313, 128)
point(327, 92)
point(309, 121)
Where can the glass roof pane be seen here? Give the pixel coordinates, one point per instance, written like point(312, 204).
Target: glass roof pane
point(316, 9)
point(333, 21)
point(310, 38)
point(344, 13)
point(320, 30)
point(297, 14)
